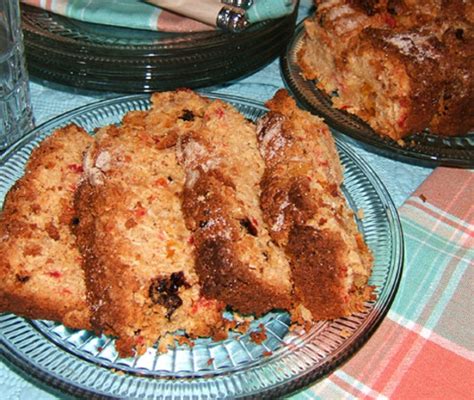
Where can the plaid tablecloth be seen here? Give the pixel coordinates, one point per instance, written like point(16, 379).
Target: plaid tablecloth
point(424, 348)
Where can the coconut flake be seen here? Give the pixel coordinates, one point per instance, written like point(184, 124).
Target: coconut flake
point(103, 161)
point(349, 24)
point(270, 135)
point(278, 225)
point(191, 178)
point(415, 45)
point(338, 12)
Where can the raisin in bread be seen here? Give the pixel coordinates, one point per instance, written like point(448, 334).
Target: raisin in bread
point(139, 264)
point(40, 264)
point(303, 204)
point(401, 66)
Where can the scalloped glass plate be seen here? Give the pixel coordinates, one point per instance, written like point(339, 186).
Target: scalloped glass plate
point(83, 364)
point(423, 147)
point(100, 57)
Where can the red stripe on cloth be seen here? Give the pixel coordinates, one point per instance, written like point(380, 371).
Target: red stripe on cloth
point(440, 217)
point(46, 4)
point(385, 349)
point(399, 362)
point(352, 390)
point(437, 374)
point(449, 345)
point(35, 3)
point(403, 359)
point(450, 189)
point(170, 22)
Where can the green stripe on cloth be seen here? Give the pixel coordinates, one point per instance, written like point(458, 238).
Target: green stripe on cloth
point(431, 262)
point(269, 9)
point(124, 13)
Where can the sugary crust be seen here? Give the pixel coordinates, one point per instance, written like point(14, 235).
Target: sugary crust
point(40, 265)
point(308, 150)
point(407, 105)
point(301, 135)
point(235, 258)
point(96, 292)
point(309, 218)
point(401, 66)
point(219, 236)
point(454, 113)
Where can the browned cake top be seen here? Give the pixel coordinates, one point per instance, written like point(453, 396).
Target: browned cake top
point(402, 66)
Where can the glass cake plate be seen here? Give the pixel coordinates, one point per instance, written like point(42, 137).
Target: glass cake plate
point(422, 147)
point(85, 365)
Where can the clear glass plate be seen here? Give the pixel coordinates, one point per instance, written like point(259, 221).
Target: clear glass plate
point(99, 57)
point(422, 148)
point(83, 364)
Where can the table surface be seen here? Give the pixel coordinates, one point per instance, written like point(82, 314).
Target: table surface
point(50, 100)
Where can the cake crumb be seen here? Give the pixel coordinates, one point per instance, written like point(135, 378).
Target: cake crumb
point(184, 340)
point(242, 327)
point(260, 336)
point(401, 142)
point(118, 372)
point(345, 333)
point(166, 342)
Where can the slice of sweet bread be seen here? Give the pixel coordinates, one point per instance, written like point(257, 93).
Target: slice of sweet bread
point(139, 261)
point(235, 258)
point(307, 213)
point(40, 264)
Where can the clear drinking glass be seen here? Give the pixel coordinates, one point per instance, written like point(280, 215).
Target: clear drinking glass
point(15, 108)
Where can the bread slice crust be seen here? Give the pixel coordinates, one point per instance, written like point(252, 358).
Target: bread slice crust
point(40, 265)
point(139, 265)
point(303, 204)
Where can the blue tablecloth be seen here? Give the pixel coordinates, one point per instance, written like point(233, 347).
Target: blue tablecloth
point(50, 100)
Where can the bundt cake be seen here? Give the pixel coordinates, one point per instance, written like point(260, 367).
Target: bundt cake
point(402, 66)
